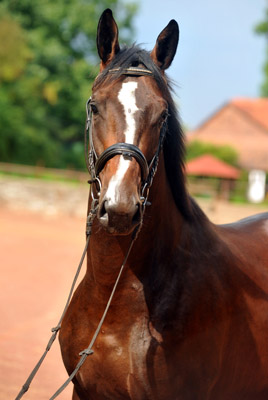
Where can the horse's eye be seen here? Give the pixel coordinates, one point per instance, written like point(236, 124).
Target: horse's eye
point(94, 108)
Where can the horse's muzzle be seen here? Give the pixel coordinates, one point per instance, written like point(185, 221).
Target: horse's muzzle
point(119, 218)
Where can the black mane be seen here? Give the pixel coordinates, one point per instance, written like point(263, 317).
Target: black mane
point(174, 144)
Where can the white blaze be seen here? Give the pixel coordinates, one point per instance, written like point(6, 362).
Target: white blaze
point(127, 98)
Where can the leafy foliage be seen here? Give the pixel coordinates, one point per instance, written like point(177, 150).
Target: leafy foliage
point(48, 60)
point(262, 29)
point(224, 153)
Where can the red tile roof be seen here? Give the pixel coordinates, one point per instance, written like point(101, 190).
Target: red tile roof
point(207, 165)
point(255, 108)
point(242, 124)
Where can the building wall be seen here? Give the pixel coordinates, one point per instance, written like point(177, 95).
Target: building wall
point(233, 127)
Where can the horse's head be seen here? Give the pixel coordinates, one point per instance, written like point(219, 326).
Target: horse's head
point(128, 113)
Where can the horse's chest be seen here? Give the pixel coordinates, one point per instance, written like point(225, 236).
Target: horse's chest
point(126, 363)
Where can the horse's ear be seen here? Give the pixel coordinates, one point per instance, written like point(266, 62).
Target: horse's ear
point(107, 38)
point(166, 45)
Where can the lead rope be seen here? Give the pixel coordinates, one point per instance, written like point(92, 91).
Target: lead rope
point(90, 219)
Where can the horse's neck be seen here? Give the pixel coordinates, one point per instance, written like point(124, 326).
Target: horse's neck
point(160, 231)
point(162, 220)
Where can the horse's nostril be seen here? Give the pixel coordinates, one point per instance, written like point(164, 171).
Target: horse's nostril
point(103, 215)
point(103, 210)
point(137, 216)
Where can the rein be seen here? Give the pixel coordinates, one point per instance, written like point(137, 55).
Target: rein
point(95, 165)
point(56, 329)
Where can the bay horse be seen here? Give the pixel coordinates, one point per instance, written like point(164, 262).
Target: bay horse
point(189, 318)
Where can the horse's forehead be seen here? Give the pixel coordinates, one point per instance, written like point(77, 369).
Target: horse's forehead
point(146, 88)
point(143, 89)
point(127, 94)
point(127, 98)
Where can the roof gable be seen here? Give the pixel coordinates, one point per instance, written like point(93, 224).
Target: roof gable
point(241, 124)
point(257, 109)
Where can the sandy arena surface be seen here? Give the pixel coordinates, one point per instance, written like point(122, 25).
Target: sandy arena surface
point(42, 238)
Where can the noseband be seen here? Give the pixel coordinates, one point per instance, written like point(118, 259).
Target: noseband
point(95, 163)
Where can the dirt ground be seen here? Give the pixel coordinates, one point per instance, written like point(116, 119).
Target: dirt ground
point(42, 238)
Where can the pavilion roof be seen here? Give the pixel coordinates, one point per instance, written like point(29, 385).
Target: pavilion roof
point(208, 165)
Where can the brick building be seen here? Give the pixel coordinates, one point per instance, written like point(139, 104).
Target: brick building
point(243, 125)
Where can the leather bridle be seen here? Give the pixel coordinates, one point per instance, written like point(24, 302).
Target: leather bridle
point(95, 163)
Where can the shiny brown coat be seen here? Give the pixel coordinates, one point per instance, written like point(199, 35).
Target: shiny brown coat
point(189, 319)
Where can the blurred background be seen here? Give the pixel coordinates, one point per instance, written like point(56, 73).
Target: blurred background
point(48, 61)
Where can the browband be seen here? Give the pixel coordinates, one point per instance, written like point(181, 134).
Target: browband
point(132, 71)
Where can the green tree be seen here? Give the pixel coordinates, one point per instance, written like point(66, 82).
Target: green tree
point(48, 60)
point(262, 29)
point(224, 153)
